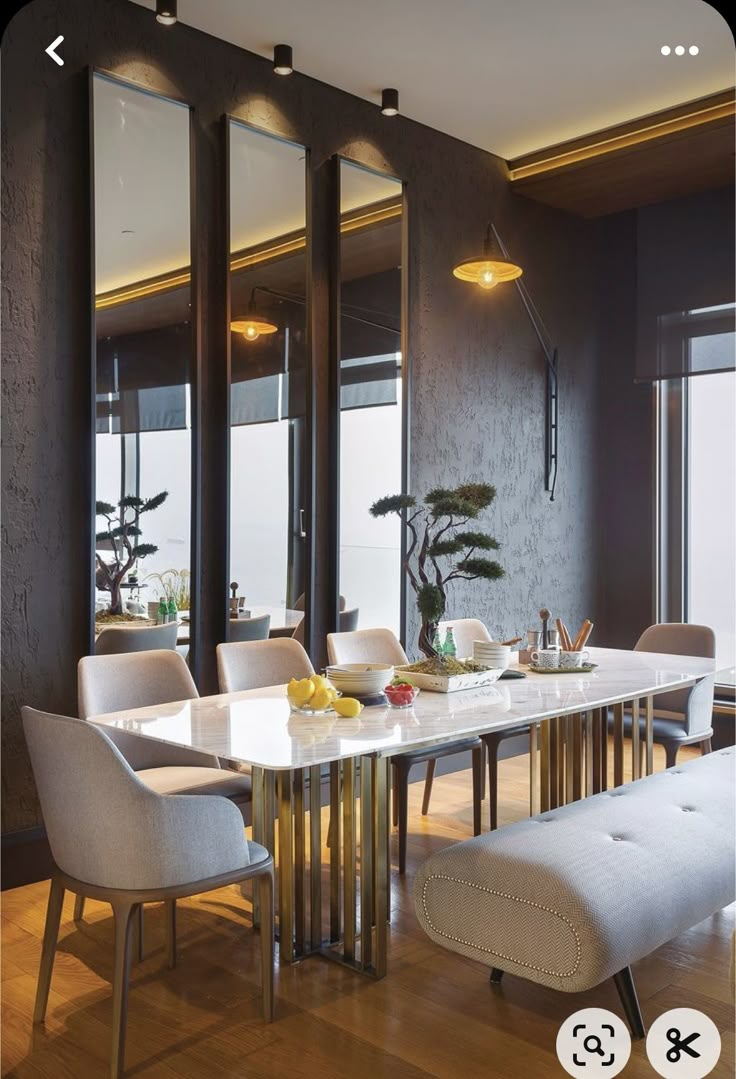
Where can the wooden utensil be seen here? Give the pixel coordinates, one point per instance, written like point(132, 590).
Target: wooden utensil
point(564, 635)
point(514, 640)
point(585, 631)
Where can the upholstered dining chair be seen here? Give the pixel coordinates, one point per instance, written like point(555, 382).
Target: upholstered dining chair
point(465, 631)
point(250, 629)
point(256, 664)
point(348, 621)
point(682, 717)
point(118, 682)
point(114, 839)
point(116, 640)
point(382, 646)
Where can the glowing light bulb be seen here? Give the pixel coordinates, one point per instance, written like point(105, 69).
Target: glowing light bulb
point(251, 333)
point(486, 279)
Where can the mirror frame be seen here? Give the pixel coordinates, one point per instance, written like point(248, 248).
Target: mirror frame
point(195, 363)
point(335, 379)
point(309, 412)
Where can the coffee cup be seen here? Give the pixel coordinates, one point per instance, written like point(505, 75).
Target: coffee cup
point(549, 658)
point(571, 660)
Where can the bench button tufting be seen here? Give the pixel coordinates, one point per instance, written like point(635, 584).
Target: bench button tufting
point(617, 838)
point(686, 809)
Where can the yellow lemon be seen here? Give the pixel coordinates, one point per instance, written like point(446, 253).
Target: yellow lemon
point(320, 682)
point(321, 700)
point(302, 691)
point(348, 707)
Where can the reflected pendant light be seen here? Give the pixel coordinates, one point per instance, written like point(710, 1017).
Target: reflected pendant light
point(251, 325)
point(283, 59)
point(166, 12)
point(489, 269)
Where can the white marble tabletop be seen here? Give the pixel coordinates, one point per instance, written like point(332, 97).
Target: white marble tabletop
point(256, 727)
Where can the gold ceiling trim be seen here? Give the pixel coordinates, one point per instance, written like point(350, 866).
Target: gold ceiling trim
point(647, 133)
point(271, 251)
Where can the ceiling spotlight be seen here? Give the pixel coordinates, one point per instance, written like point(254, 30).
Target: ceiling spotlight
point(166, 12)
point(283, 60)
point(390, 102)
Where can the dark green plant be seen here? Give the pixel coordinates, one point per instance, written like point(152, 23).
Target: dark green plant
point(123, 535)
point(438, 530)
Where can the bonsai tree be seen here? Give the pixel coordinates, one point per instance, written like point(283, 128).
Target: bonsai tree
point(442, 547)
point(123, 535)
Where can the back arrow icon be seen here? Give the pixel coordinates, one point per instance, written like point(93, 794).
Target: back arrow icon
point(54, 44)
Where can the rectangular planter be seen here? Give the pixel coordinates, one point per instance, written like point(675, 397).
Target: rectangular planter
point(439, 683)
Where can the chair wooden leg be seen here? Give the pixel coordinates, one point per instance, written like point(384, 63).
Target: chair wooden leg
point(171, 933)
point(706, 746)
point(670, 754)
point(265, 886)
point(123, 913)
point(48, 950)
point(78, 908)
point(402, 792)
point(477, 787)
point(624, 981)
point(492, 748)
point(429, 780)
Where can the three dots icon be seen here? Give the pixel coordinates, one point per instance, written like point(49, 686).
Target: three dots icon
point(679, 50)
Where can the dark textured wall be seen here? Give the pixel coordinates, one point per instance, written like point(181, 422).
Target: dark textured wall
point(477, 373)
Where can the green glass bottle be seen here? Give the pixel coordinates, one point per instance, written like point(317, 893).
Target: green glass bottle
point(450, 648)
point(163, 612)
point(437, 642)
point(172, 611)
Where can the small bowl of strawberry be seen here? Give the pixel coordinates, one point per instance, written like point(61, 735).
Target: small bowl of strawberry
point(401, 694)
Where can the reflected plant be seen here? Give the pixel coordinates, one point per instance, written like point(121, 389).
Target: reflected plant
point(123, 534)
point(175, 584)
point(438, 530)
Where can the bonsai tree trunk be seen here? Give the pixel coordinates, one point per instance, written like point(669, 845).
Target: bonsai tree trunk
point(116, 599)
point(426, 636)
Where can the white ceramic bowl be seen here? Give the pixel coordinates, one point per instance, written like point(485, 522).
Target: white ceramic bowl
point(491, 654)
point(365, 679)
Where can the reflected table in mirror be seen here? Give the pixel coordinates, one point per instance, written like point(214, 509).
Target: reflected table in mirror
point(288, 753)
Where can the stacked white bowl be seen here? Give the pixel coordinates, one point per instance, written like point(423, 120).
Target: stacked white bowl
point(360, 679)
point(492, 654)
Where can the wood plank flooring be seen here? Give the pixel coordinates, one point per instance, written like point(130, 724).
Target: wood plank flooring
point(434, 1015)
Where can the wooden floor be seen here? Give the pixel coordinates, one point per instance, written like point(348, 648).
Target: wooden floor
point(435, 1014)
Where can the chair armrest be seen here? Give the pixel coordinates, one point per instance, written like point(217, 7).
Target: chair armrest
point(699, 710)
point(142, 752)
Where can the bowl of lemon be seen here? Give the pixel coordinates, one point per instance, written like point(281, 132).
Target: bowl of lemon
point(315, 696)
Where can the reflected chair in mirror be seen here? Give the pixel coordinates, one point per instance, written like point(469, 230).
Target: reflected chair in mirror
point(682, 717)
point(348, 623)
point(382, 646)
point(135, 680)
point(116, 640)
point(115, 840)
point(250, 629)
point(299, 603)
point(257, 664)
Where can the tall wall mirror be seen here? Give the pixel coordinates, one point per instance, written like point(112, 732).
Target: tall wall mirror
point(143, 359)
point(372, 373)
point(268, 362)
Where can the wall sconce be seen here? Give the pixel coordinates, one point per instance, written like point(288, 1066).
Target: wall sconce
point(491, 268)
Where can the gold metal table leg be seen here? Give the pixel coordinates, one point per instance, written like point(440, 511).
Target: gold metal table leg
point(336, 831)
point(349, 863)
point(381, 829)
point(554, 768)
point(576, 722)
point(367, 850)
point(568, 733)
point(589, 740)
point(286, 868)
point(618, 744)
point(300, 864)
point(533, 770)
point(635, 755)
point(545, 764)
point(649, 733)
point(256, 781)
point(315, 857)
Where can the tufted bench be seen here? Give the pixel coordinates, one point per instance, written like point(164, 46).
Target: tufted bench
point(576, 895)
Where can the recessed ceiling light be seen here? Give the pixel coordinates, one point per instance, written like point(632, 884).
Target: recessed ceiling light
point(283, 60)
point(693, 50)
point(390, 102)
point(166, 12)
point(679, 50)
point(665, 50)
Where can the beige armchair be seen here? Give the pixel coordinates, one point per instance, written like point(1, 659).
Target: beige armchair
point(114, 839)
point(256, 664)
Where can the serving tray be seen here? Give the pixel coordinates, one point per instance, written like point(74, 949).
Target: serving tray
point(443, 683)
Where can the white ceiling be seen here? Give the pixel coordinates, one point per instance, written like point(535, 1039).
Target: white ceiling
point(510, 76)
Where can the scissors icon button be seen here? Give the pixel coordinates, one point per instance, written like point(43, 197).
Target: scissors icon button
point(680, 1045)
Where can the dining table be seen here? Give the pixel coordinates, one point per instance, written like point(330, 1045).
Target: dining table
point(287, 753)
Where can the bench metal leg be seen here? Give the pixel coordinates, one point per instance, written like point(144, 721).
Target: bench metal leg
point(496, 976)
point(624, 982)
